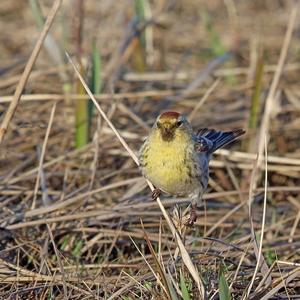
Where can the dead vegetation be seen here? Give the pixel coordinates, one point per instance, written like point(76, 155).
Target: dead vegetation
point(79, 223)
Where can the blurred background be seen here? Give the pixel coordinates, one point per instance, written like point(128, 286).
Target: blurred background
point(61, 164)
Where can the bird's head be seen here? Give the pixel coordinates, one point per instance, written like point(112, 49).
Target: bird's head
point(171, 124)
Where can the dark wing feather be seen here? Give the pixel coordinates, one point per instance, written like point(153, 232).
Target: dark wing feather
point(211, 140)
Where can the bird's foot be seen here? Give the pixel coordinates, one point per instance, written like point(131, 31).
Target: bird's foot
point(155, 194)
point(193, 217)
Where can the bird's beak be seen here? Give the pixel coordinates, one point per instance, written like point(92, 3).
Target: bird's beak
point(167, 127)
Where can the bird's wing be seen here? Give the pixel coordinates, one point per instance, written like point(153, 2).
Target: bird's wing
point(209, 140)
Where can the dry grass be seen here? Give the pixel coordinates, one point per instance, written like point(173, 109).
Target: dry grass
point(80, 223)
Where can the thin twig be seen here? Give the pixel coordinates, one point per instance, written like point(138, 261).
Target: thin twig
point(203, 99)
point(43, 155)
point(260, 261)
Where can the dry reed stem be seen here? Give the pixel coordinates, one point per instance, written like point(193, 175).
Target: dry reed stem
point(284, 281)
point(29, 65)
point(185, 256)
point(260, 259)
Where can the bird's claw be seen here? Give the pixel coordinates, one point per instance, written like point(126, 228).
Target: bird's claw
point(192, 219)
point(155, 194)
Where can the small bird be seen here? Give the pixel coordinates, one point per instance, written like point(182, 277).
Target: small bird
point(176, 159)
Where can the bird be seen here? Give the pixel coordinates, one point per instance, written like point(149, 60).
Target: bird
point(175, 158)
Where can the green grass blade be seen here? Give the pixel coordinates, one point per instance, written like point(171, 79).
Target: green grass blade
point(77, 249)
point(96, 80)
point(81, 116)
point(224, 292)
point(139, 57)
point(96, 84)
point(81, 105)
point(140, 11)
point(183, 288)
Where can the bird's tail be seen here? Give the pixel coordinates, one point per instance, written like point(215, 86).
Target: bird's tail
point(219, 138)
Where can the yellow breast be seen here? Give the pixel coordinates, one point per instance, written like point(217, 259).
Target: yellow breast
point(167, 165)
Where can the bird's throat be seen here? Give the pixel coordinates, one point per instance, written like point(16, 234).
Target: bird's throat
point(167, 135)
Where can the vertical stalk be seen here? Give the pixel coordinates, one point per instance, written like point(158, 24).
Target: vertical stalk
point(81, 105)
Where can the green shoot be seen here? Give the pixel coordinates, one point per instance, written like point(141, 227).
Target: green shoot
point(96, 80)
point(184, 287)
point(224, 292)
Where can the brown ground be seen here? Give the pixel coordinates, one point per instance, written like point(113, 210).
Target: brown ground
point(74, 229)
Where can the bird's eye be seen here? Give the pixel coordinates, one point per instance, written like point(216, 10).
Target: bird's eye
point(179, 123)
